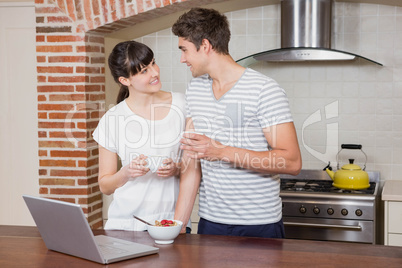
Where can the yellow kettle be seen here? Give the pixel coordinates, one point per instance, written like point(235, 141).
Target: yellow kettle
point(350, 176)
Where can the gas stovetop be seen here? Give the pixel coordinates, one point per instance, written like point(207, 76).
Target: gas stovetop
point(318, 183)
point(321, 186)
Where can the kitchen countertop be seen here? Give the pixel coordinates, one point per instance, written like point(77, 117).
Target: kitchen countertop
point(24, 247)
point(392, 191)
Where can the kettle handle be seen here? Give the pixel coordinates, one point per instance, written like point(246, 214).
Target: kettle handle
point(351, 147)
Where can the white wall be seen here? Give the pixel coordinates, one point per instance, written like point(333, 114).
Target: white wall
point(18, 112)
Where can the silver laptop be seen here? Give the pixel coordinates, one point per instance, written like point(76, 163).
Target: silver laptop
point(64, 228)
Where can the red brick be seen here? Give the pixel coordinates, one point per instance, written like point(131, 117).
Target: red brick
point(40, 9)
point(57, 163)
point(67, 182)
point(43, 190)
point(40, 38)
point(95, 97)
point(65, 38)
point(41, 59)
point(69, 153)
point(95, 7)
point(55, 125)
point(67, 97)
point(88, 49)
point(96, 39)
point(41, 79)
point(54, 29)
point(42, 172)
point(42, 153)
point(40, 20)
point(122, 4)
point(97, 224)
point(69, 59)
point(68, 79)
point(55, 107)
point(55, 144)
point(69, 191)
point(97, 79)
point(41, 98)
point(97, 217)
point(88, 88)
point(72, 115)
point(59, 134)
point(55, 88)
point(88, 70)
point(68, 173)
point(52, 49)
point(69, 200)
point(158, 3)
point(105, 11)
point(42, 115)
point(55, 69)
point(42, 134)
point(87, 10)
point(58, 19)
point(71, 10)
point(88, 163)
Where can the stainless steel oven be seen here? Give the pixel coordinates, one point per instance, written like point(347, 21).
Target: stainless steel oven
point(314, 209)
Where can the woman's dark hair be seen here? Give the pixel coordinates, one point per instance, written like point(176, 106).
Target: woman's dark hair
point(127, 59)
point(203, 23)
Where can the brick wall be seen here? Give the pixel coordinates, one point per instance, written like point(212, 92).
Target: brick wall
point(71, 89)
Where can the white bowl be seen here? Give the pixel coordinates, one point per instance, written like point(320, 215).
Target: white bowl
point(165, 235)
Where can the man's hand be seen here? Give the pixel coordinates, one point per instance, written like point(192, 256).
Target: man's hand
point(199, 146)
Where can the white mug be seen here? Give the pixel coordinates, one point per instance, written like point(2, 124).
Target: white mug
point(154, 162)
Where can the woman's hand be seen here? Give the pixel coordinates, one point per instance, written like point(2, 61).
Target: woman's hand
point(169, 168)
point(136, 168)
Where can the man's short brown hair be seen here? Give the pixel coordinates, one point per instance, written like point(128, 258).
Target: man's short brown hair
point(202, 23)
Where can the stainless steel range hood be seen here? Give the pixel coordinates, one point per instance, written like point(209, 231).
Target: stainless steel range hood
point(305, 35)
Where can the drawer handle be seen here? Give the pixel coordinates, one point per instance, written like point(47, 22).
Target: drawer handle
point(330, 226)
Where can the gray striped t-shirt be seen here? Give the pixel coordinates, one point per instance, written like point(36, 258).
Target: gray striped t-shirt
point(230, 194)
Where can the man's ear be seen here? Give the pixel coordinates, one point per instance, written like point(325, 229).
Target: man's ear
point(206, 45)
point(124, 81)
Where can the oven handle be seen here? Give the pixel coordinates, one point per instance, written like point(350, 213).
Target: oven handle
point(333, 226)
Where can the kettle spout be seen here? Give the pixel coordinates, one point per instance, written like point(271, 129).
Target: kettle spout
point(329, 171)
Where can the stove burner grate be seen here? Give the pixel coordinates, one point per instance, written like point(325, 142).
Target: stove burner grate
point(322, 186)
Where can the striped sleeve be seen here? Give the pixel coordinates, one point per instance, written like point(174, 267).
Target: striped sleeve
point(273, 106)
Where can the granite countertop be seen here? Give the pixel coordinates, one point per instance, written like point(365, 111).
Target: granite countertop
point(392, 191)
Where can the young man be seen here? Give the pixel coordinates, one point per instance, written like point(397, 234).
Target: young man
point(244, 137)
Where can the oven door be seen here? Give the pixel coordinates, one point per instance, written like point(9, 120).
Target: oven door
point(329, 229)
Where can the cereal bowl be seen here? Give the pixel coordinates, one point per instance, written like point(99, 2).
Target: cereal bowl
point(165, 234)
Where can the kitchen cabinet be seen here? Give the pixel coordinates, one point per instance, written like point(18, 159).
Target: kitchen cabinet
point(392, 197)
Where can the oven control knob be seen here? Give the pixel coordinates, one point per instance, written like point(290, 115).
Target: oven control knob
point(359, 212)
point(316, 210)
point(302, 209)
point(344, 212)
point(330, 211)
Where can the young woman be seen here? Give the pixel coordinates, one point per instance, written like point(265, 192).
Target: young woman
point(143, 130)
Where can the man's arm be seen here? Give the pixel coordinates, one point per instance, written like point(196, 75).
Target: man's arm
point(190, 178)
point(283, 158)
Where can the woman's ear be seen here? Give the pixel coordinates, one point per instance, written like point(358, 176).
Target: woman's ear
point(124, 81)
